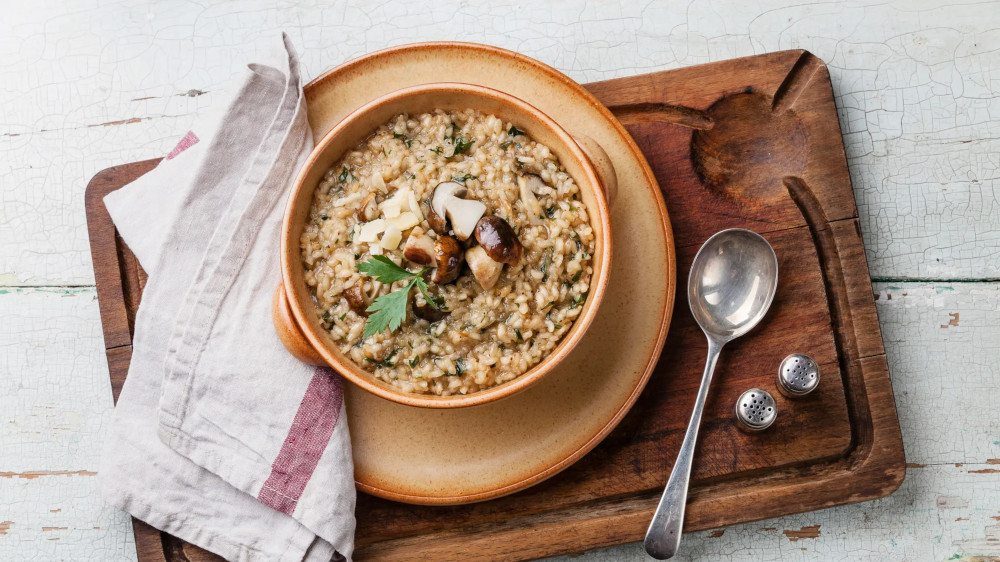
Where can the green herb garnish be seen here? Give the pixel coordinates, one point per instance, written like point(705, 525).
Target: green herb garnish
point(403, 138)
point(390, 310)
point(462, 179)
point(437, 150)
point(550, 212)
point(545, 264)
point(520, 338)
point(578, 301)
point(461, 146)
point(414, 362)
point(344, 174)
point(514, 131)
point(460, 367)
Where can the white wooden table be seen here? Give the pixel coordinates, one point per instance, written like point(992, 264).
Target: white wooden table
point(88, 85)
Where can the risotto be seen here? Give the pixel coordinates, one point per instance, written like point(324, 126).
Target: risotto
point(448, 252)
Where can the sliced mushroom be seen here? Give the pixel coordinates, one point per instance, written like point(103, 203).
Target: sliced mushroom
point(419, 247)
point(437, 222)
point(448, 257)
point(464, 215)
point(429, 313)
point(530, 184)
point(445, 191)
point(356, 298)
point(484, 268)
point(498, 240)
point(368, 211)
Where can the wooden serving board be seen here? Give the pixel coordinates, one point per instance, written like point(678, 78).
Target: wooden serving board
point(751, 143)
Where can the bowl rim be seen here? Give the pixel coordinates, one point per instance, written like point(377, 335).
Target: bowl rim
point(365, 380)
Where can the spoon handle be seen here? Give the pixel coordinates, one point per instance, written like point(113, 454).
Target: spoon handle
point(664, 534)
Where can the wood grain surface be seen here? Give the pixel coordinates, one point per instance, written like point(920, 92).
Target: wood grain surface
point(753, 143)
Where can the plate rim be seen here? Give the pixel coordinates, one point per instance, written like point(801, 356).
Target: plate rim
point(671, 286)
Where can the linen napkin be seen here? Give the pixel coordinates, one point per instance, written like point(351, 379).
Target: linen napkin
point(220, 436)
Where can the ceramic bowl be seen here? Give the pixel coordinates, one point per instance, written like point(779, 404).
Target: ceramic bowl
point(295, 318)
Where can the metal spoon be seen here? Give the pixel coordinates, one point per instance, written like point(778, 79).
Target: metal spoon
point(731, 286)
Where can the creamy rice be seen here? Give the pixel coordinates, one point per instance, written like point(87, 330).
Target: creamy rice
point(489, 336)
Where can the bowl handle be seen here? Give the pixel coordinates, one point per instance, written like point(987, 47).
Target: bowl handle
point(602, 164)
point(289, 331)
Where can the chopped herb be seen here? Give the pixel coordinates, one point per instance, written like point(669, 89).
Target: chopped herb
point(505, 145)
point(390, 310)
point(466, 326)
point(548, 305)
point(414, 362)
point(342, 316)
point(514, 131)
point(384, 153)
point(327, 321)
point(551, 211)
point(520, 338)
point(437, 150)
point(344, 174)
point(577, 276)
point(545, 264)
point(460, 366)
point(461, 146)
point(557, 326)
point(410, 174)
point(323, 217)
point(577, 301)
point(462, 179)
point(403, 138)
point(576, 237)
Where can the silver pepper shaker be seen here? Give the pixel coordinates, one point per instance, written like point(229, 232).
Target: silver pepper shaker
point(798, 375)
point(756, 410)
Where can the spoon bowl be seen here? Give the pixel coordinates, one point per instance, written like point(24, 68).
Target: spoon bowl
point(732, 283)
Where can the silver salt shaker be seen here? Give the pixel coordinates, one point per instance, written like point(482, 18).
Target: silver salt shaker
point(798, 375)
point(756, 410)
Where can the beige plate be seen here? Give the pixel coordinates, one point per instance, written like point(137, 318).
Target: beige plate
point(427, 456)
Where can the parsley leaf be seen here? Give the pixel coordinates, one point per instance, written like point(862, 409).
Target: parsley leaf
point(383, 269)
point(460, 367)
point(390, 310)
point(342, 178)
point(462, 179)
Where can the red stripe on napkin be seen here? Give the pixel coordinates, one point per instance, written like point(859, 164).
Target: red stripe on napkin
point(307, 439)
point(189, 140)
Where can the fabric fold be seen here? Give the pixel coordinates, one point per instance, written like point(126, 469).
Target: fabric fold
point(220, 436)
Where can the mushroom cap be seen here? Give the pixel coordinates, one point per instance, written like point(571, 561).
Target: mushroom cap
point(448, 255)
point(498, 240)
point(484, 268)
point(419, 247)
point(429, 313)
point(356, 298)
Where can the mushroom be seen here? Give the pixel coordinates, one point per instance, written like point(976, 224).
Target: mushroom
point(498, 240)
point(368, 210)
point(448, 258)
point(419, 247)
point(429, 313)
point(447, 202)
point(464, 215)
point(356, 298)
point(529, 184)
point(484, 268)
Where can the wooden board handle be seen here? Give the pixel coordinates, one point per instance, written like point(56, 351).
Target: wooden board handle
point(289, 331)
point(602, 164)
